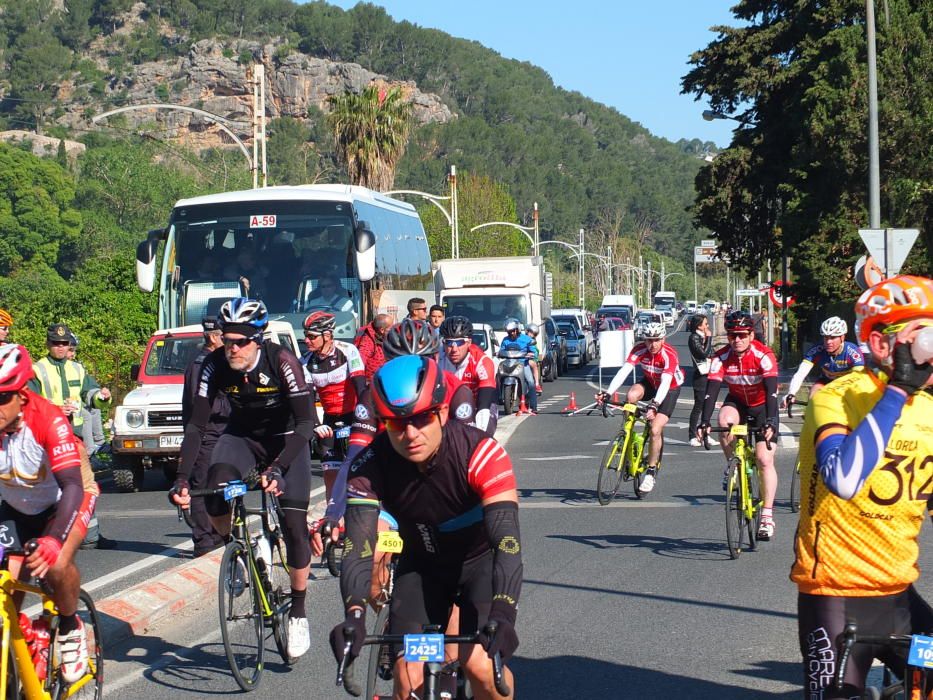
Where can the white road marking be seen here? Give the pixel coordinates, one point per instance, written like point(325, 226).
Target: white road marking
point(554, 459)
point(787, 436)
point(615, 504)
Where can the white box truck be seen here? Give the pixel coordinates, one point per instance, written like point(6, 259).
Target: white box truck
point(491, 290)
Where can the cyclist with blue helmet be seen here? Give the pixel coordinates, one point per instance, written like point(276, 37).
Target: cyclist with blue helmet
point(271, 421)
point(453, 492)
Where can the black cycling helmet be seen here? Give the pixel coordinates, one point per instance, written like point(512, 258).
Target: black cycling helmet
point(457, 327)
point(739, 321)
point(410, 337)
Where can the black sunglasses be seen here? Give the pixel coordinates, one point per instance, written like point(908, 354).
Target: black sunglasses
point(6, 397)
point(239, 342)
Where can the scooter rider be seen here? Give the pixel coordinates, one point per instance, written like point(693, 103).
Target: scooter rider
point(516, 340)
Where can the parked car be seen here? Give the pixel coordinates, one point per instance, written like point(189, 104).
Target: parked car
point(668, 316)
point(576, 341)
point(147, 428)
point(645, 317)
point(548, 365)
point(582, 325)
point(559, 343)
point(485, 338)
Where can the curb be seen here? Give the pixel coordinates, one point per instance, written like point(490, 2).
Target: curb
point(138, 609)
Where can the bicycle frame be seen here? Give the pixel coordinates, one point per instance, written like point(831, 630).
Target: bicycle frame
point(33, 687)
point(634, 445)
point(746, 456)
point(240, 530)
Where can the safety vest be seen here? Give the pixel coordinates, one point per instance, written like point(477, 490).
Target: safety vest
point(52, 378)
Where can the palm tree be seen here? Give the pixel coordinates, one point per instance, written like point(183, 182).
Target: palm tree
point(371, 131)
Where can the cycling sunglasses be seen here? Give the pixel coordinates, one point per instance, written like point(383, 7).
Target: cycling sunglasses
point(6, 397)
point(419, 421)
point(741, 336)
point(311, 335)
point(455, 342)
point(239, 342)
point(898, 327)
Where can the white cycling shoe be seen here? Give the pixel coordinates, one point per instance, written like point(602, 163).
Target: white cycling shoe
point(299, 636)
point(72, 649)
point(647, 482)
point(765, 530)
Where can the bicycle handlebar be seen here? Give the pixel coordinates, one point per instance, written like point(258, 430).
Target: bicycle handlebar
point(850, 638)
point(345, 667)
point(790, 405)
point(759, 431)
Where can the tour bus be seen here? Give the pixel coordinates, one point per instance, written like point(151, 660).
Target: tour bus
point(345, 249)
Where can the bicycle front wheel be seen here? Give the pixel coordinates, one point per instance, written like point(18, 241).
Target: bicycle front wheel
point(611, 469)
point(280, 586)
point(735, 515)
point(240, 616)
point(381, 660)
point(91, 686)
point(754, 496)
point(795, 488)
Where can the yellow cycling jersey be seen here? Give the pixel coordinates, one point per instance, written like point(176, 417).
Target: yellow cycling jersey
point(866, 546)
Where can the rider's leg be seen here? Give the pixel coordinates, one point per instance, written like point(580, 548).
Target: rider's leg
point(635, 393)
point(535, 372)
point(769, 479)
point(475, 603)
point(233, 458)
point(657, 439)
point(728, 415)
point(420, 598)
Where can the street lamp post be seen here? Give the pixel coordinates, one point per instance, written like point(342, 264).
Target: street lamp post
point(451, 215)
point(524, 229)
point(579, 253)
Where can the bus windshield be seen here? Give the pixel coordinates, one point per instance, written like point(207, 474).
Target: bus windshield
point(494, 310)
point(296, 256)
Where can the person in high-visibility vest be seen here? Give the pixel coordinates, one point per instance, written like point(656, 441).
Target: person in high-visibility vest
point(65, 382)
point(6, 322)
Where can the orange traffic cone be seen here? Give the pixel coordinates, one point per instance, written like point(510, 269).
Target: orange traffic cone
point(615, 397)
point(522, 409)
point(572, 406)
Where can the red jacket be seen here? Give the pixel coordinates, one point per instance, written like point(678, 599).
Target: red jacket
point(370, 350)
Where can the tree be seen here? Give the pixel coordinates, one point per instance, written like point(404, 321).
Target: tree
point(38, 61)
point(371, 131)
point(292, 158)
point(795, 175)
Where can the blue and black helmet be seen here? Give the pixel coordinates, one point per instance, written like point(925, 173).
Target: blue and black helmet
point(246, 316)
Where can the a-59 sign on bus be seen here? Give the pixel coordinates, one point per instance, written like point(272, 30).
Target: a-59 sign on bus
point(262, 221)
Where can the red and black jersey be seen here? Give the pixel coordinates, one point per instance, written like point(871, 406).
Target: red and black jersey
point(439, 511)
point(336, 377)
point(664, 361)
point(745, 374)
point(476, 370)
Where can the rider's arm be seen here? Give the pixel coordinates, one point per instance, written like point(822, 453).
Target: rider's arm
point(300, 398)
point(797, 380)
point(361, 519)
point(201, 405)
point(61, 447)
point(663, 387)
point(620, 377)
point(487, 395)
point(771, 402)
point(713, 383)
point(337, 504)
point(846, 459)
point(69, 503)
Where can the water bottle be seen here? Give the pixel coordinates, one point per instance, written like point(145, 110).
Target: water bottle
point(922, 347)
point(263, 549)
point(40, 654)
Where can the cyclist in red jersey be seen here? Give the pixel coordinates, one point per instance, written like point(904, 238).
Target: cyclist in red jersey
point(660, 384)
point(749, 368)
point(48, 498)
point(336, 370)
point(473, 367)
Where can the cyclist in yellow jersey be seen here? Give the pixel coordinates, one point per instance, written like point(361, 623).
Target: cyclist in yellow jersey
point(866, 470)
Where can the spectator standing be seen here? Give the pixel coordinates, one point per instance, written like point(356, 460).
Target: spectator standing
point(369, 343)
point(436, 318)
point(203, 534)
point(92, 427)
point(417, 309)
point(758, 320)
point(701, 350)
point(6, 323)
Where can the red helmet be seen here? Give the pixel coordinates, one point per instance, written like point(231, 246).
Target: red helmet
point(319, 322)
point(408, 385)
point(15, 367)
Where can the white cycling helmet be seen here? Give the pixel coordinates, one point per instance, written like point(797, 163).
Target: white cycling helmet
point(533, 328)
point(833, 327)
point(653, 331)
point(512, 325)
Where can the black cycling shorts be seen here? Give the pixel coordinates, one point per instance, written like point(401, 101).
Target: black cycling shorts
point(331, 450)
point(670, 401)
point(17, 528)
point(425, 592)
point(820, 623)
point(758, 413)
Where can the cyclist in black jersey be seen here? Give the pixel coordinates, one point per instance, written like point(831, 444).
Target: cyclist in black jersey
point(452, 490)
point(271, 421)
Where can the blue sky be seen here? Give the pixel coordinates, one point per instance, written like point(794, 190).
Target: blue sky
point(626, 54)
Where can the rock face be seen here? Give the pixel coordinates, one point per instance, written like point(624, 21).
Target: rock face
point(213, 77)
point(43, 146)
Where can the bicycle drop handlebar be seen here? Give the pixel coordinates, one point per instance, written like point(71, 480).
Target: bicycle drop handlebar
point(606, 403)
point(345, 667)
point(790, 406)
point(850, 638)
point(758, 431)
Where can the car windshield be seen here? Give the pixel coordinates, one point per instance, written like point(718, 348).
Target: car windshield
point(568, 328)
point(169, 356)
point(647, 318)
point(480, 339)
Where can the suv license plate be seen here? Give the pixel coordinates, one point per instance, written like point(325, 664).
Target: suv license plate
point(170, 440)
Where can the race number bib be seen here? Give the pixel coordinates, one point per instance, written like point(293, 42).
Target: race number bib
point(420, 648)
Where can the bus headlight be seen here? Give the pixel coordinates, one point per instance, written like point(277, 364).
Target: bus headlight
point(134, 418)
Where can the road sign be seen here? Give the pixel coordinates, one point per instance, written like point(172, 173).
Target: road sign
point(748, 292)
point(764, 286)
point(889, 246)
point(775, 293)
point(867, 272)
point(708, 243)
point(704, 255)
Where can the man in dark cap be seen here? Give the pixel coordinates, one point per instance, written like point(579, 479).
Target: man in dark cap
point(203, 534)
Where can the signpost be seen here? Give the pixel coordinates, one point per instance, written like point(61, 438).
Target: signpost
point(703, 253)
point(889, 246)
point(777, 294)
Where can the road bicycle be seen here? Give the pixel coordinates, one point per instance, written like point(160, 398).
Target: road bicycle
point(253, 586)
point(914, 686)
point(743, 487)
point(625, 458)
point(426, 648)
point(333, 551)
point(795, 475)
point(19, 677)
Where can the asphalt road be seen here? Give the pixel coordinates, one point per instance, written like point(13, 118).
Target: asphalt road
point(638, 599)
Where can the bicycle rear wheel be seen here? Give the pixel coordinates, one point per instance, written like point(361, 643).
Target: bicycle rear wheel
point(280, 587)
point(735, 517)
point(611, 469)
point(378, 681)
point(91, 686)
point(795, 488)
point(241, 623)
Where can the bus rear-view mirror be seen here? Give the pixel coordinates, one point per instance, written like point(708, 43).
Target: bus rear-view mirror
point(364, 244)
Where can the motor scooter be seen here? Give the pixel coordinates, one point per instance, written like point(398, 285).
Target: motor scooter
point(510, 376)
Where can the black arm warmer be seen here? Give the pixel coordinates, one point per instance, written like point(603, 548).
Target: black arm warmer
point(486, 397)
point(190, 446)
point(712, 392)
point(359, 545)
point(771, 402)
point(359, 384)
point(501, 521)
point(66, 512)
point(305, 420)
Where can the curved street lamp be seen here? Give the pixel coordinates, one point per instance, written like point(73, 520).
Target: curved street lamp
point(451, 215)
point(524, 229)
